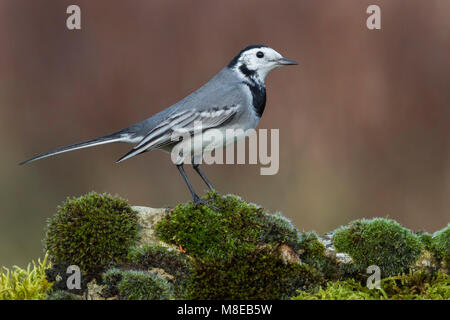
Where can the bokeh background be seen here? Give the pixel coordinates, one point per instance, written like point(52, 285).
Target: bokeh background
point(364, 120)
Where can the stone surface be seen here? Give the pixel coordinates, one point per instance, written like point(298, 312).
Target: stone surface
point(148, 218)
point(288, 255)
point(330, 250)
point(162, 273)
point(94, 291)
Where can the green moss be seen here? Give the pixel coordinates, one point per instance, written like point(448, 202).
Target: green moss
point(173, 262)
point(25, 284)
point(311, 246)
point(313, 254)
point(231, 230)
point(138, 285)
point(413, 286)
point(440, 245)
point(158, 256)
point(111, 279)
point(426, 239)
point(239, 251)
point(63, 295)
point(277, 229)
point(235, 250)
point(380, 242)
point(256, 274)
point(92, 231)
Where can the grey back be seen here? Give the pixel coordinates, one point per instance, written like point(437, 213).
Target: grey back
point(224, 89)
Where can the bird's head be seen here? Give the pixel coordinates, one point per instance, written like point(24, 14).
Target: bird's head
point(257, 61)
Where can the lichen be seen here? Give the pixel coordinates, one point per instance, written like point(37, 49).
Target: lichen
point(92, 232)
point(381, 242)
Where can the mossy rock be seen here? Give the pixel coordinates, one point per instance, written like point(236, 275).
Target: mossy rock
point(233, 228)
point(92, 232)
point(237, 250)
point(381, 242)
point(232, 249)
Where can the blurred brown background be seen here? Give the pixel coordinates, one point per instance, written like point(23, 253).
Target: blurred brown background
point(364, 119)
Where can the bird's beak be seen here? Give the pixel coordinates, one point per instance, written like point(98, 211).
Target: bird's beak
point(286, 62)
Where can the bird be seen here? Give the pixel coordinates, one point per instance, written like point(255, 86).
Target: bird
point(235, 98)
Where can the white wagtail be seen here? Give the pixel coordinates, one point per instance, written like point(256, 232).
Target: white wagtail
point(235, 98)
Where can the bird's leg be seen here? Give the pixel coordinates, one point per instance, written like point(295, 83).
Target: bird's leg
point(196, 199)
point(196, 167)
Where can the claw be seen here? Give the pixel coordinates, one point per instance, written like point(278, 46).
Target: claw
point(200, 202)
point(181, 249)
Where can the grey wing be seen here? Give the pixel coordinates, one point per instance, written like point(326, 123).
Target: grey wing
point(183, 121)
point(211, 105)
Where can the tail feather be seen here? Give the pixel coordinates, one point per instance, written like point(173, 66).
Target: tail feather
point(117, 137)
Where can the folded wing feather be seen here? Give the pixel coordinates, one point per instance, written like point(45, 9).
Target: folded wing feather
point(184, 121)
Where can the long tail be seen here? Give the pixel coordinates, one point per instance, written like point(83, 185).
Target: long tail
point(115, 137)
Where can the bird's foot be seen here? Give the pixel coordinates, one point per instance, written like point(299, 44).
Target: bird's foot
point(201, 202)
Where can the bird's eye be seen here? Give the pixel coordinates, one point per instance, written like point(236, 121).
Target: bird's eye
point(259, 54)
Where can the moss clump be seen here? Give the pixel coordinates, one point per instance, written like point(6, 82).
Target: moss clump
point(257, 274)
point(92, 231)
point(312, 252)
point(412, 286)
point(382, 242)
point(25, 284)
point(175, 264)
point(440, 245)
point(426, 239)
point(63, 295)
point(111, 279)
point(236, 250)
point(233, 229)
point(138, 285)
point(311, 246)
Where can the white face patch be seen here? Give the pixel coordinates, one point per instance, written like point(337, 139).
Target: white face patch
point(261, 60)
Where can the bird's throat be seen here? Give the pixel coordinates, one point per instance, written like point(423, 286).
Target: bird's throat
point(257, 88)
point(258, 92)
